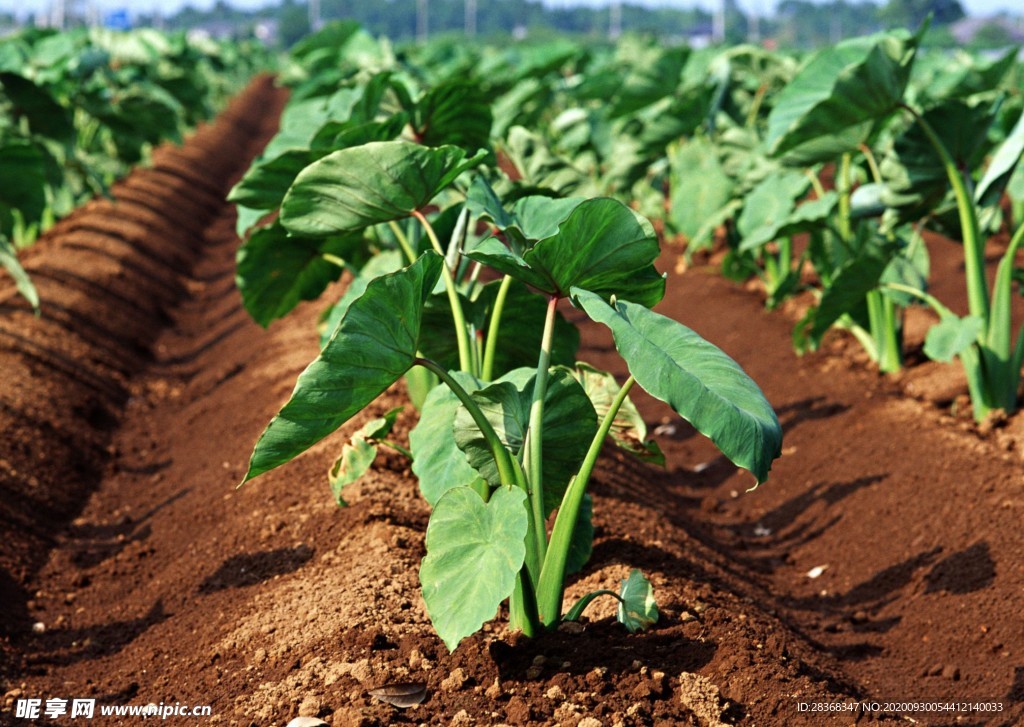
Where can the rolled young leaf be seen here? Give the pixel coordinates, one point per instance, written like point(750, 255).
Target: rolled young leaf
point(703, 385)
point(637, 608)
point(364, 185)
point(474, 551)
point(373, 346)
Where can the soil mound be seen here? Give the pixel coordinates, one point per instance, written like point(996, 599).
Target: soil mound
point(107, 275)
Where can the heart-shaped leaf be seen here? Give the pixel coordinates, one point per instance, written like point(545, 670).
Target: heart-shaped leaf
point(602, 246)
point(703, 385)
point(364, 185)
point(952, 336)
point(474, 551)
point(373, 346)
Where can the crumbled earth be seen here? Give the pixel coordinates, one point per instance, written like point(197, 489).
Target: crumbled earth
point(883, 561)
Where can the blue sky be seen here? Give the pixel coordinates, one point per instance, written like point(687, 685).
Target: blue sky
point(21, 7)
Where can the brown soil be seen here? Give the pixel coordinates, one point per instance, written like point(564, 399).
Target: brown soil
point(130, 408)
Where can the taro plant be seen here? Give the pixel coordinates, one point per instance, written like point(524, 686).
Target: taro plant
point(837, 105)
point(499, 459)
point(982, 340)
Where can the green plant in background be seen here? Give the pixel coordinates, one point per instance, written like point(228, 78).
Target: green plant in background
point(77, 109)
point(983, 340)
point(837, 105)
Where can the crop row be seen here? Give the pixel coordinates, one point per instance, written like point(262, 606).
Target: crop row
point(79, 109)
point(468, 191)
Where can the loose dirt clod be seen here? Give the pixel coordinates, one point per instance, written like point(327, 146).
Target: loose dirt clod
point(701, 696)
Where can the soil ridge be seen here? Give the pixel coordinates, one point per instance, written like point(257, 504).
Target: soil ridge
point(107, 277)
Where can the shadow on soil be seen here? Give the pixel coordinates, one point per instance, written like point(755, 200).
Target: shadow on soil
point(811, 409)
point(967, 571)
point(95, 543)
point(63, 646)
point(252, 568)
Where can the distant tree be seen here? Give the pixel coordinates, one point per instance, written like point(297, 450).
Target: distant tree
point(292, 23)
point(992, 35)
point(806, 24)
point(911, 13)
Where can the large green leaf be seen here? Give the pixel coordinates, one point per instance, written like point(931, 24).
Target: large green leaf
point(265, 184)
point(1000, 169)
point(9, 262)
point(373, 346)
point(602, 246)
point(380, 264)
point(835, 100)
point(456, 112)
point(569, 425)
point(699, 189)
point(474, 551)
point(701, 383)
point(35, 104)
point(378, 182)
point(438, 462)
point(275, 271)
